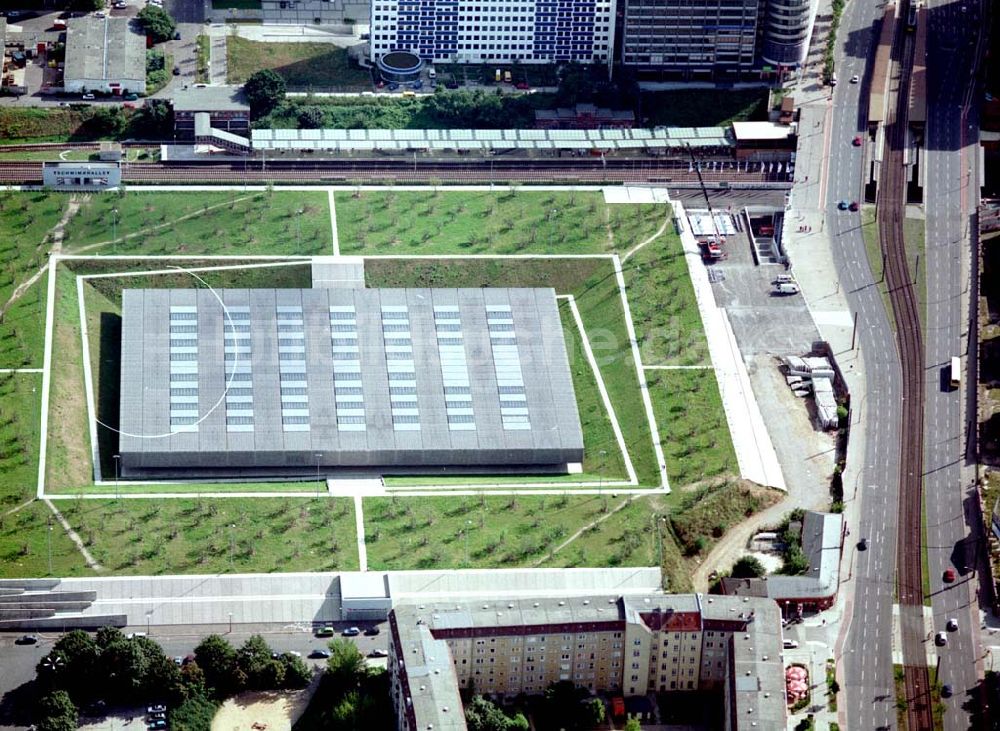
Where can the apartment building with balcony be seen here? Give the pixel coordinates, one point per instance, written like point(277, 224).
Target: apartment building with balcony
point(624, 646)
point(495, 31)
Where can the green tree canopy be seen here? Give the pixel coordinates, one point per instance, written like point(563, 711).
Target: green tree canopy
point(157, 23)
point(484, 715)
point(254, 659)
point(346, 665)
point(57, 712)
point(748, 567)
point(217, 660)
point(264, 90)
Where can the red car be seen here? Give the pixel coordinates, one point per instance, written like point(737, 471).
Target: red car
point(856, 141)
point(853, 206)
point(523, 85)
point(949, 575)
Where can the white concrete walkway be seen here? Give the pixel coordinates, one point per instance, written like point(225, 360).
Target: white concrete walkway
point(754, 450)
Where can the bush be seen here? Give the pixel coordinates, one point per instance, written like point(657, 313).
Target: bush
point(57, 712)
point(194, 714)
point(748, 567)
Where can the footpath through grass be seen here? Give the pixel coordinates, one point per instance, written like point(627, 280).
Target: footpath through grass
point(231, 222)
point(317, 66)
point(510, 222)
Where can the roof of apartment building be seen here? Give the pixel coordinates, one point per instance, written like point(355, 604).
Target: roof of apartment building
point(420, 631)
point(104, 48)
point(821, 543)
point(201, 98)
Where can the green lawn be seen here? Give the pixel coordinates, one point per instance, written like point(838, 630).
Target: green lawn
point(488, 531)
point(202, 223)
point(436, 222)
point(593, 284)
point(202, 55)
point(20, 408)
point(25, 221)
point(195, 536)
point(319, 66)
point(25, 542)
point(694, 432)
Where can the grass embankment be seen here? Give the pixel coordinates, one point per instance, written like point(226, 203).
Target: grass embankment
point(268, 222)
point(320, 66)
point(262, 535)
point(20, 402)
point(25, 222)
point(703, 107)
point(44, 124)
point(436, 222)
point(69, 457)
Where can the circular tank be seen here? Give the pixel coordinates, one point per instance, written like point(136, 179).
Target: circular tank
point(401, 66)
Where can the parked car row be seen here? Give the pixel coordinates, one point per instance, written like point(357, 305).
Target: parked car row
point(156, 717)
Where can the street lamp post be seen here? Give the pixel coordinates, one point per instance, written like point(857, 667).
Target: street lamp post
point(468, 527)
point(149, 614)
point(48, 540)
point(232, 544)
point(230, 623)
point(114, 225)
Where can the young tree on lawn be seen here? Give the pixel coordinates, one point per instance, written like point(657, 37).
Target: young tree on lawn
point(263, 91)
point(748, 567)
point(157, 23)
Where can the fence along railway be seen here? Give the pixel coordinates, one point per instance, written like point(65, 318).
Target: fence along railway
point(909, 340)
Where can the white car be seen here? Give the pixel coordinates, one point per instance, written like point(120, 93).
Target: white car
point(952, 625)
point(855, 79)
point(90, 98)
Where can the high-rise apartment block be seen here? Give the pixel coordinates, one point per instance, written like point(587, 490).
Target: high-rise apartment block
point(697, 40)
point(495, 31)
point(627, 646)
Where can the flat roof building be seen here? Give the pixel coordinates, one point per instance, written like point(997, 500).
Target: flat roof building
point(628, 645)
point(226, 107)
point(291, 381)
point(106, 55)
point(496, 32)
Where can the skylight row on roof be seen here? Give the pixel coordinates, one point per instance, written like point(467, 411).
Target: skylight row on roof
point(454, 368)
point(239, 369)
point(401, 368)
point(292, 368)
point(183, 354)
point(511, 393)
point(348, 394)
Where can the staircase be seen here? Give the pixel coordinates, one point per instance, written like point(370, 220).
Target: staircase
point(27, 604)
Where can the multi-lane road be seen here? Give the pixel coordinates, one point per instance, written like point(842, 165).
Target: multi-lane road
point(953, 523)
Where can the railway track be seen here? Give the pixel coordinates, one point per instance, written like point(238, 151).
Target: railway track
point(401, 170)
point(909, 339)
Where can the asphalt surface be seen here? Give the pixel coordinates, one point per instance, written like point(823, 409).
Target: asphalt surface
point(869, 695)
point(953, 526)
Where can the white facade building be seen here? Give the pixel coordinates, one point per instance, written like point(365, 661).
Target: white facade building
point(495, 31)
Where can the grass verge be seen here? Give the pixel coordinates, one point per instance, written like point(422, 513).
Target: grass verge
point(436, 222)
point(202, 54)
point(233, 222)
point(319, 66)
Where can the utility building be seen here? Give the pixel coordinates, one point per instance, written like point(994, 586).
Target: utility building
point(104, 55)
point(290, 382)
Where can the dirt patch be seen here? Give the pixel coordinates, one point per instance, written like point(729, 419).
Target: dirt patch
point(263, 711)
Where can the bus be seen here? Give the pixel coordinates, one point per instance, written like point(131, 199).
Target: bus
point(956, 372)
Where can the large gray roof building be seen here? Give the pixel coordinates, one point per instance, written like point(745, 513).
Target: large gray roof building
point(104, 54)
point(288, 380)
